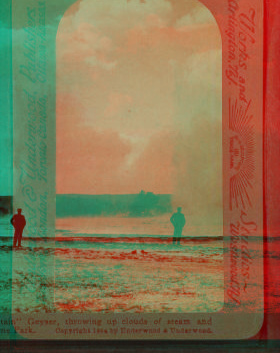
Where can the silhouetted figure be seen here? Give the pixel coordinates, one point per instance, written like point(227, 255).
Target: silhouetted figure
point(178, 221)
point(18, 221)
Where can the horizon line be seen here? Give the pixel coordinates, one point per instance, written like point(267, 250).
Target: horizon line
point(116, 194)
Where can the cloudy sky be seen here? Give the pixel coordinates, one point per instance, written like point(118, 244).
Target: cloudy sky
point(139, 99)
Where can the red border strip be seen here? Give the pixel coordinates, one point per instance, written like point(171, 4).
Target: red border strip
point(271, 170)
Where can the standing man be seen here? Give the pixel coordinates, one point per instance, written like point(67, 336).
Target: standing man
point(178, 221)
point(18, 221)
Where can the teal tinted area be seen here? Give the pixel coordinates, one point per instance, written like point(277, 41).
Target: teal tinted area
point(6, 165)
point(135, 205)
point(6, 156)
point(139, 278)
point(114, 278)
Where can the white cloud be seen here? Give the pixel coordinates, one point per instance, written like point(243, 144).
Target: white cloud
point(117, 102)
point(199, 91)
point(119, 14)
point(105, 65)
point(85, 44)
point(205, 68)
point(148, 77)
point(198, 16)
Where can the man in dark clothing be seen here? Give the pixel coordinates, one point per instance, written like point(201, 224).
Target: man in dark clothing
point(18, 221)
point(178, 221)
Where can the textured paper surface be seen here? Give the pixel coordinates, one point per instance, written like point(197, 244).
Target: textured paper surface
point(122, 112)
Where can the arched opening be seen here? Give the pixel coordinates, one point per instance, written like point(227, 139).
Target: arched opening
point(139, 119)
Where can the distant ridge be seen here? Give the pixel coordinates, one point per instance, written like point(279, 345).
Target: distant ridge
point(129, 205)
